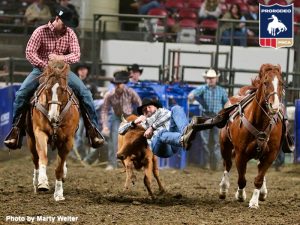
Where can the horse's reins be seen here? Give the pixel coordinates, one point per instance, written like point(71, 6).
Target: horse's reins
point(56, 123)
point(262, 137)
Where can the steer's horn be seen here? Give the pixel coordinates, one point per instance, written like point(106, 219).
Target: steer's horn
point(123, 119)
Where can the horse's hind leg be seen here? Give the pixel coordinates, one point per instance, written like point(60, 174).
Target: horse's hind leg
point(226, 152)
point(156, 174)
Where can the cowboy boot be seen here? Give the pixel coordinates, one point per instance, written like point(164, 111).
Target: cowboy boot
point(96, 139)
point(190, 131)
point(14, 138)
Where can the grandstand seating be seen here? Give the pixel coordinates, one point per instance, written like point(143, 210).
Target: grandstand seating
point(195, 4)
point(280, 2)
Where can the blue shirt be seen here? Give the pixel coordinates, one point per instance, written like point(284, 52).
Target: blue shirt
point(212, 99)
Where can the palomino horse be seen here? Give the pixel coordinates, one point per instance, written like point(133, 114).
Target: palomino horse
point(53, 120)
point(254, 131)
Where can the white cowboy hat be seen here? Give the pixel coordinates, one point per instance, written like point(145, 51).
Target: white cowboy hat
point(211, 74)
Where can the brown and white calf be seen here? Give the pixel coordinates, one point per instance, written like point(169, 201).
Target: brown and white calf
point(134, 152)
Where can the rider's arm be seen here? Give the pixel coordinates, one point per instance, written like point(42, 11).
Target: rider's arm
point(33, 45)
point(74, 55)
point(159, 118)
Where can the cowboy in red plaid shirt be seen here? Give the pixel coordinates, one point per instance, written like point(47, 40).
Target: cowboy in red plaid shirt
point(53, 41)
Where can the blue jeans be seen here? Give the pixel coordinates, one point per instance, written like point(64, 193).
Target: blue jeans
point(211, 153)
point(145, 8)
point(113, 140)
point(239, 38)
point(30, 84)
point(167, 142)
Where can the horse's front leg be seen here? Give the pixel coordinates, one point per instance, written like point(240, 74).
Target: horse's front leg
point(35, 159)
point(41, 148)
point(260, 192)
point(61, 170)
point(241, 165)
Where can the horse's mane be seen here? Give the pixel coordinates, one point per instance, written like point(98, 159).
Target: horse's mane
point(55, 68)
point(264, 70)
point(255, 83)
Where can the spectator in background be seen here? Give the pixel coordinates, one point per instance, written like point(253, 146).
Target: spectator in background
point(212, 98)
point(37, 13)
point(82, 71)
point(121, 100)
point(134, 73)
point(251, 30)
point(143, 7)
point(239, 37)
point(210, 9)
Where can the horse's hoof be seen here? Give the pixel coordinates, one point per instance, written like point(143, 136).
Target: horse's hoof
point(161, 192)
point(253, 206)
point(240, 195)
point(59, 198)
point(222, 195)
point(262, 196)
point(43, 187)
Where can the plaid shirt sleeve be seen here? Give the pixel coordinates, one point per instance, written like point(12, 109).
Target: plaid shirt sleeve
point(104, 111)
point(159, 118)
point(33, 45)
point(74, 55)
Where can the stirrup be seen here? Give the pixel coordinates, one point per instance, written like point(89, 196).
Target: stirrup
point(96, 139)
point(14, 138)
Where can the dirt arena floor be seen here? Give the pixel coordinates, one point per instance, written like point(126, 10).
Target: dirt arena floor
point(96, 196)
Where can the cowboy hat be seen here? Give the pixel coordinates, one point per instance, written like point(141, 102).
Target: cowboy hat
point(135, 68)
point(120, 77)
point(211, 73)
point(146, 102)
point(67, 17)
point(81, 65)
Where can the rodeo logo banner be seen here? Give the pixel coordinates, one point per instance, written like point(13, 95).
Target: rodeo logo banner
point(276, 27)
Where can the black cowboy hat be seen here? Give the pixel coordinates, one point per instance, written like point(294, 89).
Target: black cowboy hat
point(68, 18)
point(82, 65)
point(146, 102)
point(135, 68)
point(120, 77)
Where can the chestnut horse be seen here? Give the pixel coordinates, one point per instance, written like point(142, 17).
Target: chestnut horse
point(254, 131)
point(53, 119)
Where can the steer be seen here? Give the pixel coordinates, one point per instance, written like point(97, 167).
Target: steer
point(134, 152)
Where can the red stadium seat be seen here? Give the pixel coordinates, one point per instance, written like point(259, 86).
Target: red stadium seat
point(174, 4)
point(209, 24)
point(296, 3)
point(244, 8)
point(158, 12)
point(280, 2)
point(195, 4)
point(234, 2)
point(187, 14)
point(188, 23)
point(207, 31)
